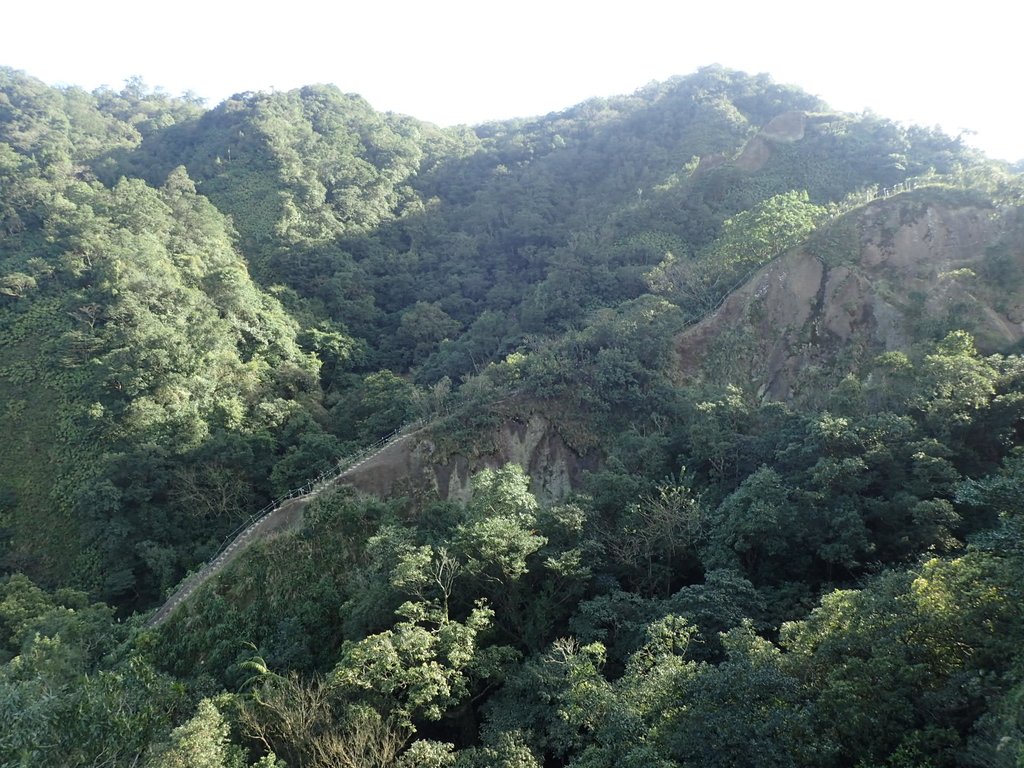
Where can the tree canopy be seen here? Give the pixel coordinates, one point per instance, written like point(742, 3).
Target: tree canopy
point(201, 309)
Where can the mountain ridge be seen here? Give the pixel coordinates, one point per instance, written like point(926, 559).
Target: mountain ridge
point(807, 299)
point(724, 457)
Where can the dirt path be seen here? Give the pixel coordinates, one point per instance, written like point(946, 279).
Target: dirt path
point(285, 517)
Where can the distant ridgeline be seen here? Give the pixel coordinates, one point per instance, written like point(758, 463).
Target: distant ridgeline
point(775, 345)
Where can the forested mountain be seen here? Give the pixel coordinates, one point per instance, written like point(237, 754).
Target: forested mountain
point(720, 462)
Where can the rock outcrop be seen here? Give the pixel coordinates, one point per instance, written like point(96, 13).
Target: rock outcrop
point(782, 129)
point(415, 465)
point(879, 278)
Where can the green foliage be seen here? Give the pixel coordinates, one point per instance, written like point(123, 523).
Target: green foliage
point(203, 742)
point(747, 241)
point(373, 406)
point(829, 582)
point(72, 691)
point(925, 635)
point(148, 339)
point(837, 243)
point(420, 668)
point(752, 524)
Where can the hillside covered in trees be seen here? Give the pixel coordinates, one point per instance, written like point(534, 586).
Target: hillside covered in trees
point(764, 356)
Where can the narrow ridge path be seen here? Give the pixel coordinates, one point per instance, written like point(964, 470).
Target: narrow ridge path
point(278, 515)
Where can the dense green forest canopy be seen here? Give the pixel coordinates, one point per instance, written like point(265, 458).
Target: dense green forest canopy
point(202, 308)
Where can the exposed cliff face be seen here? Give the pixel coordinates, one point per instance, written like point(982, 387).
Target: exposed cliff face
point(414, 465)
point(878, 279)
point(783, 129)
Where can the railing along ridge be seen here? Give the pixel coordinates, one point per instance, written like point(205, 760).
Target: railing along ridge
point(317, 484)
point(310, 488)
point(867, 195)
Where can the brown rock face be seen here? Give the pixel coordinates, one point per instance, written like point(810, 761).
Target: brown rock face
point(787, 127)
point(901, 270)
point(782, 129)
point(410, 464)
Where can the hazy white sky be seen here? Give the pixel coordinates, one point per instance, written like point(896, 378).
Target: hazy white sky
point(457, 61)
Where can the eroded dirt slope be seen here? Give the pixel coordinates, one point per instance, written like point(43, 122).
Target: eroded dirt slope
point(880, 278)
point(418, 465)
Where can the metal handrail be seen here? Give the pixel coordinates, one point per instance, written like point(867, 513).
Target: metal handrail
point(311, 487)
point(316, 484)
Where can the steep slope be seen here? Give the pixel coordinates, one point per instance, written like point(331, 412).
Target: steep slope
point(133, 342)
point(282, 514)
point(452, 245)
point(783, 564)
point(423, 465)
point(136, 346)
point(882, 277)
point(157, 393)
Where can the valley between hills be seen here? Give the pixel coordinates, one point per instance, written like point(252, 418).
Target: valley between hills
point(712, 401)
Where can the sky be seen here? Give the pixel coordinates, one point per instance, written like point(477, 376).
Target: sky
point(954, 65)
